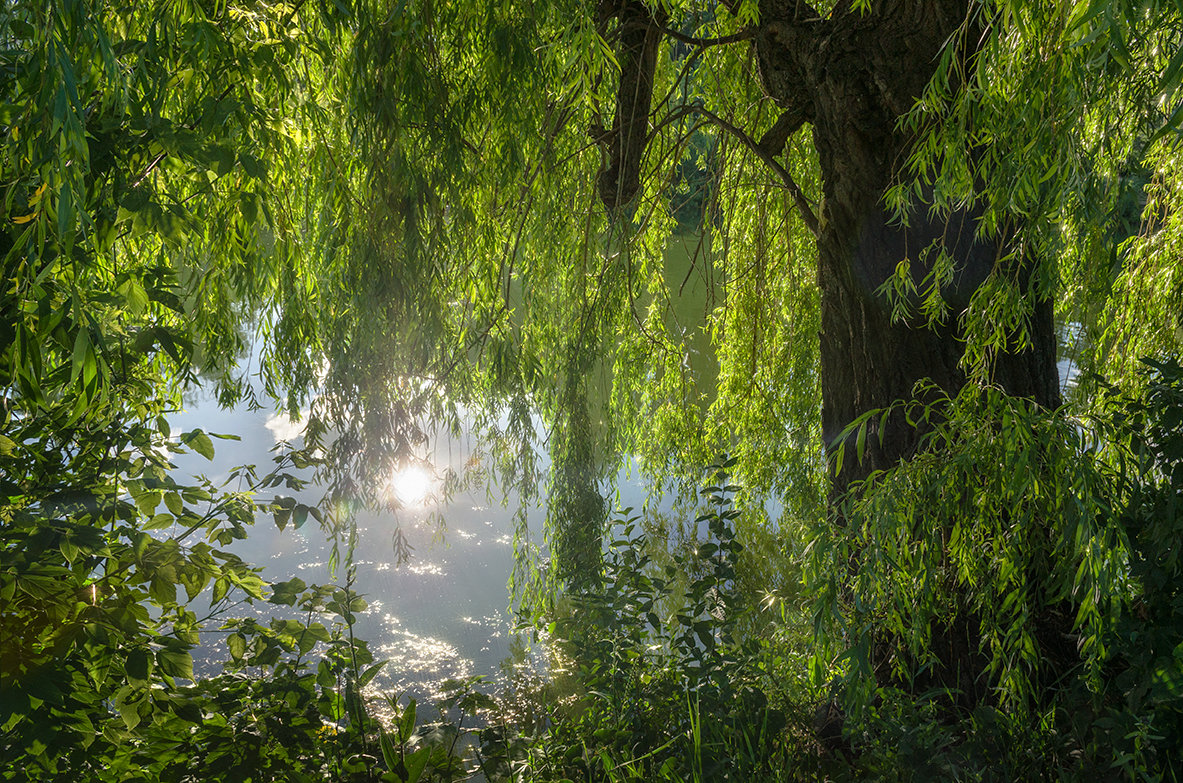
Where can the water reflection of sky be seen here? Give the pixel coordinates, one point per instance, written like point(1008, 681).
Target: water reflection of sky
point(441, 615)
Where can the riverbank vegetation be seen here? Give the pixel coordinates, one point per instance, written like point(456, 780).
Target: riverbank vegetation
point(811, 268)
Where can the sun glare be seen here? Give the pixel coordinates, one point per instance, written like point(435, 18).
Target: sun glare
point(413, 485)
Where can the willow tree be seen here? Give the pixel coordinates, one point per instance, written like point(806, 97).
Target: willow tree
point(476, 197)
point(897, 192)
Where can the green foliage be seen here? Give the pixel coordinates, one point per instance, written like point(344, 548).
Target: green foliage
point(101, 621)
point(401, 196)
point(92, 616)
point(653, 678)
point(297, 716)
point(111, 570)
point(143, 149)
point(576, 511)
point(1141, 720)
point(1053, 131)
point(453, 243)
point(137, 146)
point(1141, 315)
point(1023, 529)
point(996, 536)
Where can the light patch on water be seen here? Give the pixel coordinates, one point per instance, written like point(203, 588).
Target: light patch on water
point(493, 624)
point(297, 554)
point(425, 568)
point(421, 661)
point(465, 534)
point(504, 540)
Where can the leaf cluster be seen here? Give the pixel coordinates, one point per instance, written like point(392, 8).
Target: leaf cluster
point(653, 677)
point(1050, 542)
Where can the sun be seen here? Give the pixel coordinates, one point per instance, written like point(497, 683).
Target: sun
point(412, 486)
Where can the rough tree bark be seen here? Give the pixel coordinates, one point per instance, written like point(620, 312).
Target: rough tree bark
point(851, 76)
point(854, 76)
point(638, 35)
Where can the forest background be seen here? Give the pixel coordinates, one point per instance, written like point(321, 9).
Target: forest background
point(901, 214)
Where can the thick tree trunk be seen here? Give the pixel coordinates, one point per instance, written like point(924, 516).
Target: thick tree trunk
point(869, 362)
point(852, 76)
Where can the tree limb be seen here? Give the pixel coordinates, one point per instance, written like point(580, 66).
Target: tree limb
point(702, 43)
point(640, 31)
point(774, 139)
point(761, 152)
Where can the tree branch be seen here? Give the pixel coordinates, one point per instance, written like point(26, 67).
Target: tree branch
point(774, 139)
point(760, 151)
point(702, 43)
point(639, 37)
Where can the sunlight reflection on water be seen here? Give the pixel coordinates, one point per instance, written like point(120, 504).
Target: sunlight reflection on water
point(424, 568)
point(418, 662)
point(434, 618)
point(414, 486)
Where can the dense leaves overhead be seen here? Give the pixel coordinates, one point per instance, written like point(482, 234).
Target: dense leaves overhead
point(474, 253)
point(396, 193)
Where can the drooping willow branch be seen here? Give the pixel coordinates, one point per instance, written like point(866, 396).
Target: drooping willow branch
point(764, 151)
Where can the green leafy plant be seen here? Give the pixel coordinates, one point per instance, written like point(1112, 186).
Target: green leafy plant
point(654, 678)
point(1139, 721)
point(1064, 530)
point(994, 544)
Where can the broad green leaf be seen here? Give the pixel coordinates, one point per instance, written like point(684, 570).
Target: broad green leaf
point(147, 500)
point(159, 522)
point(176, 663)
point(221, 588)
point(416, 763)
point(237, 645)
point(199, 442)
point(69, 550)
point(174, 503)
point(137, 667)
point(130, 713)
point(369, 674)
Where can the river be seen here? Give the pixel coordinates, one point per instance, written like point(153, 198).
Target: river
point(441, 615)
